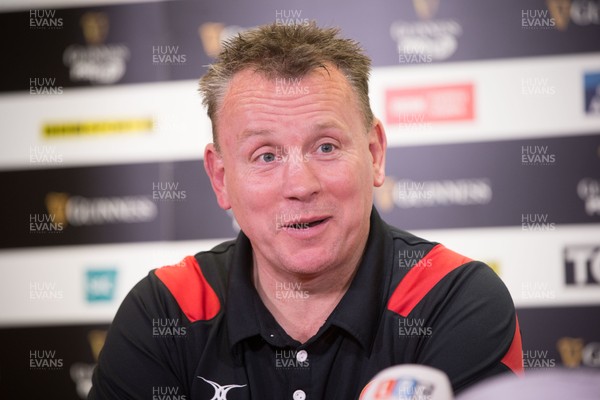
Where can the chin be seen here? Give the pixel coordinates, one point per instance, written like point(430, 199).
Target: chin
point(306, 264)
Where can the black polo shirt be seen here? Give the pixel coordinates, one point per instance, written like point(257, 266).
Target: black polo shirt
point(199, 330)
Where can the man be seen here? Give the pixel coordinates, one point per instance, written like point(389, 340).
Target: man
point(317, 294)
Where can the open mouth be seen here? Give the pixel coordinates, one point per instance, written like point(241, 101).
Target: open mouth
point(306, 224)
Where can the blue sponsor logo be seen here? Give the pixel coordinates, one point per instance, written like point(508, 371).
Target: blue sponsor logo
point(591, 82)
point(100, 284)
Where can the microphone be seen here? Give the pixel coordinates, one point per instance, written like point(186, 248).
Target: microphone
point(408, 382)
point(548, 384)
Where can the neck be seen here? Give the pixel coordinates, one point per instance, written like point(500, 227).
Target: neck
point(301, 303)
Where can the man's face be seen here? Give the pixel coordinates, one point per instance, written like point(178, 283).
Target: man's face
point(297, 168)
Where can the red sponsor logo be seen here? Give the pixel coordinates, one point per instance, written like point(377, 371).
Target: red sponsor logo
point(430, 104)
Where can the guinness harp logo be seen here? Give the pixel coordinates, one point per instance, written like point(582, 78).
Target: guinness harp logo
point(560, 11)
point(571, 350)
point(426, 9)
point(96, 339)
point(213, 34)
point(95, 27)
point(56, 204)
point(210, 35)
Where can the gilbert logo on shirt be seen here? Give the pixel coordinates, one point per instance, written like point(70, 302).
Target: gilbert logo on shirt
point(220, 391)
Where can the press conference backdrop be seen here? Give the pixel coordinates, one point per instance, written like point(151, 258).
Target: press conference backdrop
point(492, 111)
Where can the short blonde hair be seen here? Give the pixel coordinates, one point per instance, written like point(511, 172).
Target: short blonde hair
point(287, 51)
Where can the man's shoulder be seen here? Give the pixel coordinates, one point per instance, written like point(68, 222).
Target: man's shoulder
point(424, 265)
point(411, 246)
point(404, 238)
point(198, 283)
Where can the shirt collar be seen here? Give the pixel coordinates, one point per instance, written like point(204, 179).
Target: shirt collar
point(242, 297)
point(358, 312)
point(362, 306)
point(246, 314)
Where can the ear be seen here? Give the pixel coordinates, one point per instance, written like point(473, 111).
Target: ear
point(378, 147)
point(215, 169)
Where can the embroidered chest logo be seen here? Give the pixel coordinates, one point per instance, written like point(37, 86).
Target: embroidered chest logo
point(220, 391)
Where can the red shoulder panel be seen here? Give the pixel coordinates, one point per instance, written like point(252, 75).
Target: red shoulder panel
point(195, 297)
point(423, 277)
point(513, 358)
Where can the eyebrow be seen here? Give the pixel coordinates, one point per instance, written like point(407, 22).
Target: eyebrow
point(247, 133)
point(327, 125)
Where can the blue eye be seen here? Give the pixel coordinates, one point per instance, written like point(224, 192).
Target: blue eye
point(327, 147)
point(267, 157)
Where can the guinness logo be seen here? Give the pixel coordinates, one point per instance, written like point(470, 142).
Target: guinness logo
point(96, 62)
point(213, 34)
point(210, 35)
point(56, 204)
point(426, 9)
point(560, 11)
point(95, 27)
point(571, 350)
point(85, 211)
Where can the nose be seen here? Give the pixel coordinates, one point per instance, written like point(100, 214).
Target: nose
point(300, 180)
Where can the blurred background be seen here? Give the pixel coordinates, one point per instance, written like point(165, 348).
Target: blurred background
point(492, 111)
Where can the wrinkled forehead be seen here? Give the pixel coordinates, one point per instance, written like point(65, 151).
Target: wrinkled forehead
point(327, 76)
point(253, 96)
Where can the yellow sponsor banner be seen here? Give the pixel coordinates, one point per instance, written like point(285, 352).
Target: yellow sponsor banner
point(495, 266)
point(102, 127)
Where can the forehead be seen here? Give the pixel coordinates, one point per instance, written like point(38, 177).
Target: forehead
point(328, 74)
point(253, 98)
point(247, 84)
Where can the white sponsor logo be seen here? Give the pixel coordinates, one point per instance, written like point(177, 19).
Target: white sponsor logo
point(106, 210)
point(430, 40)
point(412, 194)
point(584, 263)
point(588, 190)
